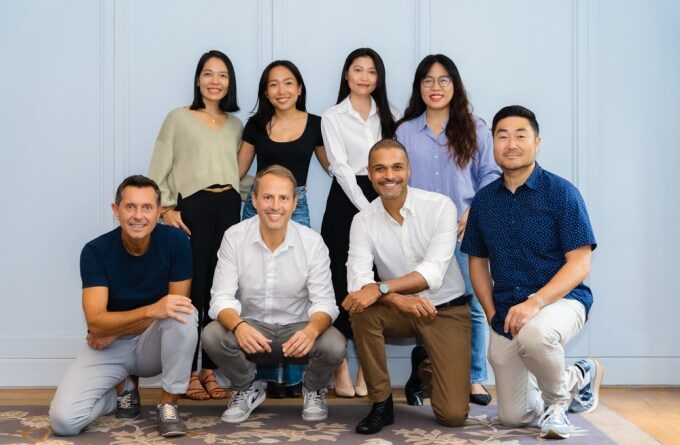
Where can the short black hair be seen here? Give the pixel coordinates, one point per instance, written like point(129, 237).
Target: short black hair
point(229, 102)
point(139, 181)
point(515, 111)
point(385, 144)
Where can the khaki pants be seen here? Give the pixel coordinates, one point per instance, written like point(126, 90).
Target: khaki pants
point(447, 339)
point(529, 369)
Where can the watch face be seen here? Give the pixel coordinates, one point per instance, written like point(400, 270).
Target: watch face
point(384, 288)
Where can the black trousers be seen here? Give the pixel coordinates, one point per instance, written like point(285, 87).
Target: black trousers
point(207, 215)
point(335, 226)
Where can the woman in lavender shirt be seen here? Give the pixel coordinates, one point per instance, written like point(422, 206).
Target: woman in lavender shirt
point(450, 152)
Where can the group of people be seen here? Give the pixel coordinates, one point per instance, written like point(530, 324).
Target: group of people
point(434, 224)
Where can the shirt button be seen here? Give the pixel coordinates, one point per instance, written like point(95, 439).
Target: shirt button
point(516, 287)
point(436, 173)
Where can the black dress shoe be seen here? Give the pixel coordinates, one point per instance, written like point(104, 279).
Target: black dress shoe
point(480, 399)
point(382, 414)
point(414, 390)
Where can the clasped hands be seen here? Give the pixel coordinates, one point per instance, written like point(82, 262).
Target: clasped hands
point(419, 307)
point(298, 345)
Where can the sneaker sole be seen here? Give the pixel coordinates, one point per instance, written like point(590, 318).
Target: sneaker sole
point(596, 386)
point(552, 434)
point(173, 433)
point(314, 418)
point(256, 403)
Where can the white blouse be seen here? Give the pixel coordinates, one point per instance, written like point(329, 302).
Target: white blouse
point(348, 138)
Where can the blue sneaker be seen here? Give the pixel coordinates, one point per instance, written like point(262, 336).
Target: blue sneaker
point(554, 422)
point(587, 398)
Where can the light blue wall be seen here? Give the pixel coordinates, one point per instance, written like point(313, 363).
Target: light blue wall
point(86, 84)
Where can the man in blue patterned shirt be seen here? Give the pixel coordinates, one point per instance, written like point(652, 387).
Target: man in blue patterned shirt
point(530, 243)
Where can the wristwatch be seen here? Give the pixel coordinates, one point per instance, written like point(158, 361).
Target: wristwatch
point(384, 289)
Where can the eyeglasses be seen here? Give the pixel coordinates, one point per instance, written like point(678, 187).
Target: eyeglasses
point(443, 81)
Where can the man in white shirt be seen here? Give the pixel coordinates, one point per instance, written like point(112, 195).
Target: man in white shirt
point(273, 301)
point(410, 234)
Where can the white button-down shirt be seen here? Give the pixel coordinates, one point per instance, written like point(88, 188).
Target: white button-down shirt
point(281, 287)
point(348, 138)
point(424, 243)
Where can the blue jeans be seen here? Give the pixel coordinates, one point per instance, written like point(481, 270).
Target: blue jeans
point(287, 374)
point(478, 370)
point(300, 214)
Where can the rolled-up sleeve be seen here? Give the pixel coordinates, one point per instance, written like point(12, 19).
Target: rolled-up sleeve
point(441, 247)
point(319, 283)
point(225, 282)
point(360, 256)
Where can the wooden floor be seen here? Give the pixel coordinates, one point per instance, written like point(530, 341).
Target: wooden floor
point(656, 410)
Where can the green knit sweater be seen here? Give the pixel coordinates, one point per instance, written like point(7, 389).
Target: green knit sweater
point(189, 156)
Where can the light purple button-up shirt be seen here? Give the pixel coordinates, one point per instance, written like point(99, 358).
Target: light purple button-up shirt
point(433, 168)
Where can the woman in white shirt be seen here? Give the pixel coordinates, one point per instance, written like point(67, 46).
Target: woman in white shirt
point(362, 117)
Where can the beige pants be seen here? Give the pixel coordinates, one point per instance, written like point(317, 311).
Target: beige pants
point(529, 369)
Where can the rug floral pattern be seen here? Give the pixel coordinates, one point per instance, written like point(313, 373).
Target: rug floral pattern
point(272, 425)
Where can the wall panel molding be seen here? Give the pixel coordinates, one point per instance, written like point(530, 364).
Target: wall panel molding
point(580, 62)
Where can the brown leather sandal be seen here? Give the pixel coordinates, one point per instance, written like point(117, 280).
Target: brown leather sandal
point(216, 392)
point(197, 392)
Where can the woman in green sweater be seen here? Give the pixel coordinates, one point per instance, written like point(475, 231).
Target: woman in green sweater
point(194, 164)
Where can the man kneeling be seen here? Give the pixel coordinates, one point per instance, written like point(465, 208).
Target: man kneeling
point(273, 301)
point(140, 322)
point(410, 235)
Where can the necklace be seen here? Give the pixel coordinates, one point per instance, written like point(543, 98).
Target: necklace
point(213, 118)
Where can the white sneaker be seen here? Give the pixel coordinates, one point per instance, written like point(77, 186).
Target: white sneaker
point(314, 407)
point(554, 422)
point(242, 403)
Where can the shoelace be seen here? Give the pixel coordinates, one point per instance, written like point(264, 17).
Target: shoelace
point(552, 414)
point(168, 412)
point(315, 398)
point(125, 401)
point(238, 398)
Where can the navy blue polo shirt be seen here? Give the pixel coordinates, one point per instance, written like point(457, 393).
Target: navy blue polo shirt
point(136, 281)
point(525, 236)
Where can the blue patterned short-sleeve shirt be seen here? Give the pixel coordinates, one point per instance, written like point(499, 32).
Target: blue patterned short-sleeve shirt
point(525, 236)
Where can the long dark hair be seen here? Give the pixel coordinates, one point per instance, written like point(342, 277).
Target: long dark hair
point(264, 110)
point(228, 102)
point(387, 124)
point(460, 130)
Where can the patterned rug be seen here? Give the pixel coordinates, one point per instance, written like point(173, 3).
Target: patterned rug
point(282, 424)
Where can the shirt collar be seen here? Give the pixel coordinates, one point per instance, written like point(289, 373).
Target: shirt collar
point(531, 182)
point(253, 235)
point(421, 124)
point(409, 205)
point(346, 107)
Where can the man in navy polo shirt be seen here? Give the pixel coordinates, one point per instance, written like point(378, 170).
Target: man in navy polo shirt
point(136, 279)
point(530, 242)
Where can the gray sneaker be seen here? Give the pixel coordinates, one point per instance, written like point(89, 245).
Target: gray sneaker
point(587, 398)
point(169, 422)
point(554, 422)
point(242, 403)
point(128, 405)
point(314, 407)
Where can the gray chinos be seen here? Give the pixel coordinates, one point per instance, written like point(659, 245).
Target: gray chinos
point(88, 391)
point(327, 353)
